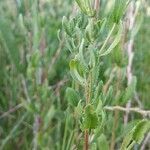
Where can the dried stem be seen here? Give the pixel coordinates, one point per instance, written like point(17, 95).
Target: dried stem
point(11, 110)
point(96, 5)
point(129, 110)
point(130, 26)
point(36, 127)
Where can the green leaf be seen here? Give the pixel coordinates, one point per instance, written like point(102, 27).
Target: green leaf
point(115, 42)
point(98, 89)
point(92, 57)
point(70, 44)
point(127, 140)
point(141, 128)
point(89, 31)
point(72, 96)
point(81, 57)
point(66, 26)
point(102, 121)
point(107, 39)
point(74, 72)
point(136, 135)
point(90, 119)
point(119, 9)
point(79, 108)
point(86, 7)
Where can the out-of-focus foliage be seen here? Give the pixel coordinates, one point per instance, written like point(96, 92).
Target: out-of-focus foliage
point(32, 63)
point(142, 60)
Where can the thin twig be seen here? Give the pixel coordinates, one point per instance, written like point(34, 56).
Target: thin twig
point(59, 84)
point(96, 5)
point(13, 117)
point(36, 127)
point(136, 110)
point(11, 110)
point(25, 89)
point(11, 134)
point(131, 19)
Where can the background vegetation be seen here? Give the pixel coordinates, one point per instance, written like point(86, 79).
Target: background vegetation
point(34, 75)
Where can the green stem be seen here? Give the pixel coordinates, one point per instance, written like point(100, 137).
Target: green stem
point(86, 140)
point(88, 98)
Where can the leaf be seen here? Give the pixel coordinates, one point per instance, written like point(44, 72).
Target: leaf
point(70, 44)
point(102, 121)
point(127, 140)
point(66, 26)
point(115, 42)
point(81, 5)
point(86, 7)
point(98, 89)
point(141, 128)
point(136, 135)
point(119, 9)
point(90, 119)
point(99, 106)
point(79, 108)
point(72, 96)
point(74, 73)
point(92, 58)
point(107, 39)
point(89, 31)
point(81, 57)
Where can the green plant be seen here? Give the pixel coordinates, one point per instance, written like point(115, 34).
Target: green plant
point(85, 40)
point(43, 105)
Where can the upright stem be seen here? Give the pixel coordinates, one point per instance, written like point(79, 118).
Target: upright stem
point(88, 97)
point(131, 18)
point(86, 133)
point(96, 5)
point(86, 140)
